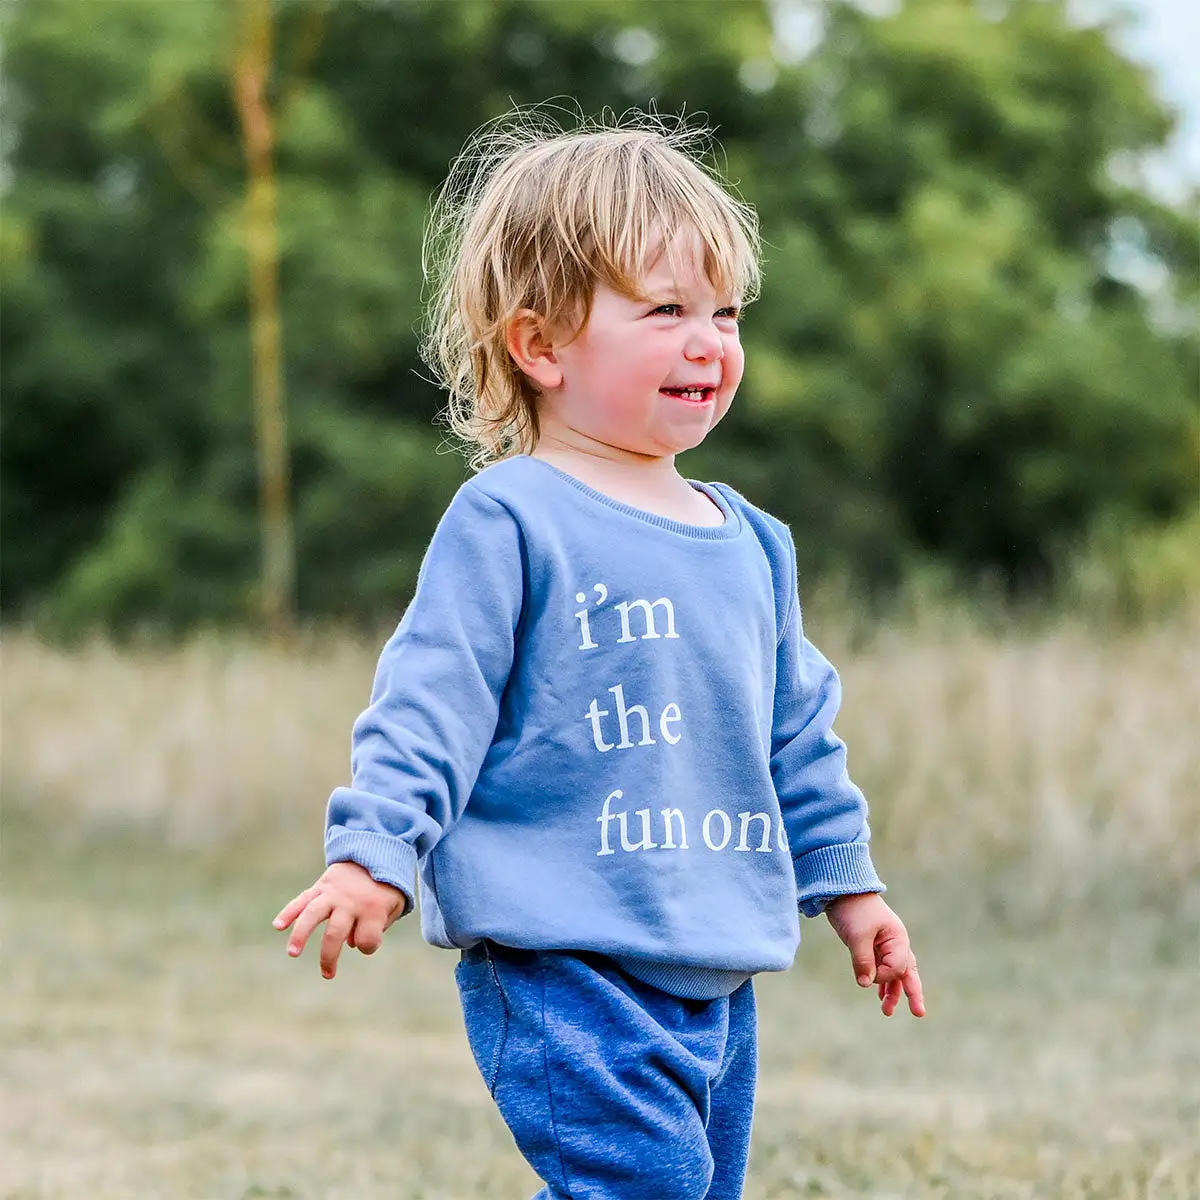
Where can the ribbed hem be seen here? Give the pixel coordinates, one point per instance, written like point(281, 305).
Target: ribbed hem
point(385, 858)
point(689, 983)
point(843, 870)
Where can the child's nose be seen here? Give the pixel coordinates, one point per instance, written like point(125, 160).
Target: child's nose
point(705, 345)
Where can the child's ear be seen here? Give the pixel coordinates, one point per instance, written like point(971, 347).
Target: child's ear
point(531, 349)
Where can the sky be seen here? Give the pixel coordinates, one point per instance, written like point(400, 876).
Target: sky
point(1167, 39)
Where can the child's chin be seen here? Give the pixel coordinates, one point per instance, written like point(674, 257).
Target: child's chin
point(682, 442)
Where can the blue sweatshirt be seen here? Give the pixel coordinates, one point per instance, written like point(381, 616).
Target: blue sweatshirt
point(599, 729)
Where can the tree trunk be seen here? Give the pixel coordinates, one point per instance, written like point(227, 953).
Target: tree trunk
point(251, 73)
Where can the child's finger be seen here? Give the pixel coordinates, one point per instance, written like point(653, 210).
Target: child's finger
point(862, 957)
point(315, 911)
point(293, 908)
point(893, 956)
point(367, 936)
point(914, 991)
point(336, 933)
point(889, 994)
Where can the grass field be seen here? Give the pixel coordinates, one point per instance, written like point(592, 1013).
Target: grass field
point(1037, 800)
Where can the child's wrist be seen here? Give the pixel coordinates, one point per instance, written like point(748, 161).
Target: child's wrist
point(842, 901)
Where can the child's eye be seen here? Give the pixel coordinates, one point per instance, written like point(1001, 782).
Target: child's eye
point(732, 313)
point(669, 310)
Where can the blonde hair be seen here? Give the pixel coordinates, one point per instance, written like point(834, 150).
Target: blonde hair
point(533, 216)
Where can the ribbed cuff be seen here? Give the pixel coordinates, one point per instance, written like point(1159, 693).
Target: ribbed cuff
point(385, 858)
point(843, 870)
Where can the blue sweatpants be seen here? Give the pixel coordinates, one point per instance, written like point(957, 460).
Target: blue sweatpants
point(613, 1090)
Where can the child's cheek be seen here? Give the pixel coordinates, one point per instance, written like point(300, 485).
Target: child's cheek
point(734, 365)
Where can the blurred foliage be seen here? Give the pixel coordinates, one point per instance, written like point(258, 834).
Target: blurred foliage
point(976, 344)
point(1129, 573)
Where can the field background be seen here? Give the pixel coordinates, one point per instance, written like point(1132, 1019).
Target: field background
point(972, 372)
point(1036, 799)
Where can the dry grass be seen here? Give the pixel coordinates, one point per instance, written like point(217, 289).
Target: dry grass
point(1037, 806)
point(158, 1044)
point(1063, 750)
point(199, 743)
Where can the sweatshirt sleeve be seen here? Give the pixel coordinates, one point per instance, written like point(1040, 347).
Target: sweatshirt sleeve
point(417, 749)
point(824, 813)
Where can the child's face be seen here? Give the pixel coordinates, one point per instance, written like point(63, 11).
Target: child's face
point(625, 377)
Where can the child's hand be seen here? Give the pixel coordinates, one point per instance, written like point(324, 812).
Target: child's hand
point(357, 908)
point(879, 949)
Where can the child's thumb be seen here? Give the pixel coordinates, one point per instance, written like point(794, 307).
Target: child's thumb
point(862, 955)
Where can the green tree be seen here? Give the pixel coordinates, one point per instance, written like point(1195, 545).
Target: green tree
point(960, 349)
point(954, 356)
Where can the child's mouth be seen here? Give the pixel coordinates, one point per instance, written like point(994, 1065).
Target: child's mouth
point(690, 395)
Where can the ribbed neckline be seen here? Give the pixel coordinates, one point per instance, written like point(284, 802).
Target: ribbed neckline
point(730, 529)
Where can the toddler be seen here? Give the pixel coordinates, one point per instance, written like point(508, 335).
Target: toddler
point(599, 733)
